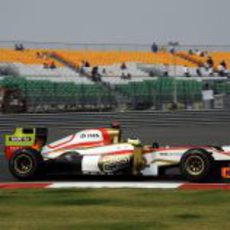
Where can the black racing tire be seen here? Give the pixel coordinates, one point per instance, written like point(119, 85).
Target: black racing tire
point(26, 164)
point(197, 165)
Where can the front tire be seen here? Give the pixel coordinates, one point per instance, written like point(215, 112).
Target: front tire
point(26, 164)
point(197, 165)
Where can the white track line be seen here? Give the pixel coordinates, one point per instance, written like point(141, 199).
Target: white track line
point(151, 185)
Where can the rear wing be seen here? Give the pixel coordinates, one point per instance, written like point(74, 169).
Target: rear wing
point(25, 138)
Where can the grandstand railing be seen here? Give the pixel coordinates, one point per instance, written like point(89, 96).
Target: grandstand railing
point(111, 46)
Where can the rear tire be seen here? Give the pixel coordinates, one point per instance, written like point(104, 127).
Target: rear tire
point(26, 164)
point(197, 165)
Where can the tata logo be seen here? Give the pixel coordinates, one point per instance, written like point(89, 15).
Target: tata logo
point(20, 139)
point(89, 135)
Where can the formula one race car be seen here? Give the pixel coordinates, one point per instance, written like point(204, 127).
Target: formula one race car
point(101, 151)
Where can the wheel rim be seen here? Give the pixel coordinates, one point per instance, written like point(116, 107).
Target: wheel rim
point(195, 165)
point(23, 164)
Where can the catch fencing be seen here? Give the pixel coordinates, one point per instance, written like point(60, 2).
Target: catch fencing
point(190, 127)
point(127, 119)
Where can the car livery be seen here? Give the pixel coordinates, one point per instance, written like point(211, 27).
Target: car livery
point(101, 151)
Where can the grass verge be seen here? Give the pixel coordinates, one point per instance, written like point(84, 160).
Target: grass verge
point(114, 209)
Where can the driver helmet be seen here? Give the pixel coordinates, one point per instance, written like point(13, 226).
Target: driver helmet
point(134, 141)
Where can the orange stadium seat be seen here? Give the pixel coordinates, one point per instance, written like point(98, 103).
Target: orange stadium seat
point(196, 60)
point(216, 56)
point(100, 58)
point(28, 56)
point(220, 56)
point(112, 57)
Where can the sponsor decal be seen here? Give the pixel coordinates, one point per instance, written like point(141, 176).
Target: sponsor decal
point(110, 164)
point(169, 154)
point(225, 173)
point(89, 135)
point(20, 139)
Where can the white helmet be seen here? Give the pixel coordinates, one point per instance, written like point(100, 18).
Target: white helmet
point(134, 141)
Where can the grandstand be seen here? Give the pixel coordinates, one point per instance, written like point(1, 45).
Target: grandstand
point(27, 56)
point(199, 60)
point(140, 84)
point(101, 58)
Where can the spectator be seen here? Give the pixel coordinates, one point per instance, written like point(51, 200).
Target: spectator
point(186, 72)
point(52, 65)
point(123, 66)
point(123, 75)
point(221, 70)
point(154, 48)
point(210, 62)
point(165, 70)
point(202, 54)
point(95, 71)
point(199, 53)
point(16, 47)
point(129, 76)
point(87, 64)
point(19, 47)
point(95, 74)
point(198, 71)
point(39, 55)
point(172, 50)
point(223, 63)
point(151, 74)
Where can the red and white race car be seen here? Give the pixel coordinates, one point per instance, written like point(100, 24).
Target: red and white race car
point(101, 151)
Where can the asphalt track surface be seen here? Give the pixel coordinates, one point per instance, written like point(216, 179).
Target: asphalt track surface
point(185, 133)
